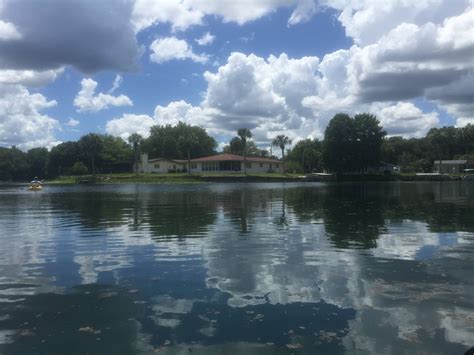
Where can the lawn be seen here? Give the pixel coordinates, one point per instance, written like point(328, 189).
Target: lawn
point(182, 178)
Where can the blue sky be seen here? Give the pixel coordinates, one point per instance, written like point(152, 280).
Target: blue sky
point(279, 66)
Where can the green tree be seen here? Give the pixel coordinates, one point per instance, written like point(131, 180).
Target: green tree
point(307, 154)
point(339, 144)
point(369, 137)
point(465, 139)
point(37, 159)
point(91, 146)
point(282, 141)
point(62, 157)
point(234, 147)
point(263, 153)
point(135, 140)
point(164, 142)
point(13, 164)
point(186, 143)
point(6, 165)
point(79, 168)
point(244, 135)
point(443, 142)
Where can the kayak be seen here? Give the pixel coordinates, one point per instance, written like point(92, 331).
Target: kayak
point(35, 187)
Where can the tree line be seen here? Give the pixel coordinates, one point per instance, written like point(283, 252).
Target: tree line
point(349, 144)
point(101, 153)
point(354, 144)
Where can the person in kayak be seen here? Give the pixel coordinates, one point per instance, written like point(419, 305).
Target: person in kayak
point(36, 181)
point(35, 185)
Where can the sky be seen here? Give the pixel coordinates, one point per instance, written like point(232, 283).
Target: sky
point(68, 68)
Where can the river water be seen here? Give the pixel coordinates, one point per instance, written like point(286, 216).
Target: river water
point(237, 269)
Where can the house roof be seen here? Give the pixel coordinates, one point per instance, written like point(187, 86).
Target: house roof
point(233, 157)
point(164, 159)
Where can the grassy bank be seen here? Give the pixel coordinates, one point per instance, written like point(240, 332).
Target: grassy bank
point(397, 177)
point(171, 178)
point(222, 177)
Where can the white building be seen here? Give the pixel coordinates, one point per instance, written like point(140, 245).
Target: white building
point(160, 165)
point(227, 163)
point(230, 163)
point(452, 166)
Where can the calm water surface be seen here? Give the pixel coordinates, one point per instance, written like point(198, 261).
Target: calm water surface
point(237, 269)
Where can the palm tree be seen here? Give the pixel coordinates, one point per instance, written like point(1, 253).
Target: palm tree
point(281, 141)
point(135, 140)
point(244, 134)
point(187, 142)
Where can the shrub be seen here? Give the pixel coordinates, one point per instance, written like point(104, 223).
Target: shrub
point(79, 168)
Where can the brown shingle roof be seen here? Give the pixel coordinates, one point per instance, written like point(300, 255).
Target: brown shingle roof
point(233, 157)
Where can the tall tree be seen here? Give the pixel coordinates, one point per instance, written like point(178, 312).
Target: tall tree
point(37, 159)
point(282, 141)
point(235, 147)
point(245, 135)
point(62, 157)
point(135, 140)
point(369, 137)
point(466, 138)
point(163, 142)
point(186, 143)
point(91, 146)
point(306, 154)
point(443, 142)
point(339, 144)
point(13, 164)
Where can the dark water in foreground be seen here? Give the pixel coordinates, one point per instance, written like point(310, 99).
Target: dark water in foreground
point(238, 269)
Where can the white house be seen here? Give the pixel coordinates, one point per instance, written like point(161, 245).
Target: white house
point(228, 163)
point(160, 165)
point(452, 166)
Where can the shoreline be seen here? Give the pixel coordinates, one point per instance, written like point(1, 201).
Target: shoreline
point(232, 178)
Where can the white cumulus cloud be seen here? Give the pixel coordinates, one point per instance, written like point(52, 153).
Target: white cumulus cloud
point(72, 122)
point(8, 31)
point(405, 119)
point(116, 84)
point(30, 78)
point(303, 12)
point(174, 112)
point(130, 123)
point(206, 39)
point(172, 48)
point(464, 121)
point(21, 122)
point(366, 21)
point(182, 14)
point(88, 101)
point(178, 13)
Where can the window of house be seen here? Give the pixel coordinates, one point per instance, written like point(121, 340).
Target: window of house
point(211, 166)
point(157, 166)
point(193, 166)
point(249, 165)
point(261, 165)
point(277, 166)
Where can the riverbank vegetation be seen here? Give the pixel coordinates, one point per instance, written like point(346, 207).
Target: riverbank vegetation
point(174, 178)
point(349, 145)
